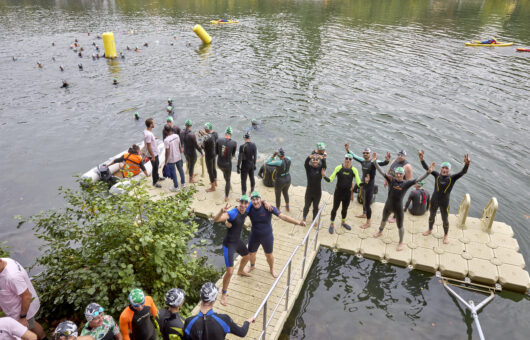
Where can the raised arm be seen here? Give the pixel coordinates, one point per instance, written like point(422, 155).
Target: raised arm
point(222, 215)
point(273, 161)
point(357, 158)
point(306, 163)
point(386, 161)
point(374, 160)
point(467, 161)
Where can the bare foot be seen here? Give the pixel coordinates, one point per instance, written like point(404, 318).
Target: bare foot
point(399, 247)
point(365, 226)
point(446, 239)
point(210, 189)
point(274, 274)
point(193, 180)
point(251, 268)
point(243, 273)
point(223, 299)
point(361, 216)
point(226, 199)
point(391, 220)
point(427, 233)
point(379, 233)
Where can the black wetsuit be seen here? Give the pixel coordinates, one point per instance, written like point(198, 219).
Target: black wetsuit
point(343, 189)
point(313, 191)
point(232, 242)
point(246, 164)
point(208, 146)
point(368, 168)
point(176, 130)
point(441, 194)
point(142, 326)
point(420, 202)
point(225, 151)
point(190, 145)
point(282, 179)
point(212, 326)
point(171, 325)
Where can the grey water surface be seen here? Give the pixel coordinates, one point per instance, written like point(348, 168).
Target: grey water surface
point(386, 74)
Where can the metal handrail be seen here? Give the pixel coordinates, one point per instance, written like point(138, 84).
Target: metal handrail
point(287, 266)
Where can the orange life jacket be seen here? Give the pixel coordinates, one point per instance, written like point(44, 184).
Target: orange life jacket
point(132, 164)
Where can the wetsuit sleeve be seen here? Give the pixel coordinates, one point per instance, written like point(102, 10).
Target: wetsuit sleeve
point(460, 174)
point(142, 166)
point(195, 143)
point(273, 162)
point(426, 167)
point(306, 163)
point(357, 158)
point(324, 164)
point(240, 157)
point(275, 211)
point(357, 179)
point(235, 329)
point(234, 149)
point(254, 155)
point(149, 301)
point(387, 177)
point(125, 320)
point(383, 163)
point(335, 172)
point(408, 201)
point(232, 214)
point(414, 181)
point(118, 160)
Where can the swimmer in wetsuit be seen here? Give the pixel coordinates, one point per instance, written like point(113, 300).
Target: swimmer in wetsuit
point(315, 169)
point(246, 163)
point(282, 177)
point(368, 171)
point(345, 174)
point(209, 141)
point(420, 200)
point(232, 242)
point(443, 185)
point(225, 151)
point(189, 141)
point(400, 161)
point(394, 203)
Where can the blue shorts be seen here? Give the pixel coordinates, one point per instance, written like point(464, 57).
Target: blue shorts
point(230, 249)
point(266, 241)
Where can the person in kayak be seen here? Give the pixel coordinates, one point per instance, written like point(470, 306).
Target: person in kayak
point(315, 169)
point(490, 41)
point(282, 178)
point(345, 174)
point(420, 200)
point(246, 163)
point(232, 242)
point(170, 321)
point(394, 202)
point(226, 150)
point(368, 175)
point(443, 185)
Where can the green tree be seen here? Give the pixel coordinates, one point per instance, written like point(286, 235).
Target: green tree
point(100, 246)
point(3, 250)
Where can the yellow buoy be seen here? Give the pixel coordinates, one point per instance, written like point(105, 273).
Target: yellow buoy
point(109, 45)
point(201, 33)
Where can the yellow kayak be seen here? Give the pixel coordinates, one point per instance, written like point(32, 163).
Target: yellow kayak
point(499, 44)
point(213, 22)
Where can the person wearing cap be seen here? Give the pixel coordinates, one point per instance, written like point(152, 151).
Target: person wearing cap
point(254, 125)
point(232, 242)
point(246, 163)
point(321, 151)
point(208, 325)
point(174, 128)
point(368, 178)
point(151, 145)
point(170, 110)
point(225, 151)
point(260, 214)
point(394, 201)
point(11, 329)
point(209, 140)
point(135, 320)
point(67, 330)
point(100, 325)
point(173, 157)
point(282, 177)
point(315, 169)
point(170, 321)
point(190, 145)
point(443, 185)
point(345, 174)
point(18, 298)
point(400, 161)
point(420, 200)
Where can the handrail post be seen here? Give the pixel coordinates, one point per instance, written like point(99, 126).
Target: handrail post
point(318, 229)
point(265, 320)
point(288, 285)
point(303, 263)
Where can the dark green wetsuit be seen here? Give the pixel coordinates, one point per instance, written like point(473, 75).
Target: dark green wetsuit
point(282, 179)
point(343, 189)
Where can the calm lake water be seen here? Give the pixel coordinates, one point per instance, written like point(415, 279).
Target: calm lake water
point(386, 74)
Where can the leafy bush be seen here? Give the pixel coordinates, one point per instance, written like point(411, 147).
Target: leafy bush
point(3, 250)
point(100, 246)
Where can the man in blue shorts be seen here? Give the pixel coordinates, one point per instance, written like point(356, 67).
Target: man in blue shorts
point(261, 232)
point(232, 242)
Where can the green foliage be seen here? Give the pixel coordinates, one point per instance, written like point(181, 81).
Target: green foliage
point(100, 246)
point(3, 250)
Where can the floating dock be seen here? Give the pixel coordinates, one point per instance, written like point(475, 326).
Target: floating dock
point(480, 250)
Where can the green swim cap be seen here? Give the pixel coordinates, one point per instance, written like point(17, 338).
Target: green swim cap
point(348, 155)
point(136, 297)
point(321, 146)
point(170, 108)
point(170, 99)
point(169, 119)
point(244, 198)
point(255, 194)
point(208, 125)
point(422, 182)
point(254, 121)
point(446, 165)
point(228, 130)
point(400, 170)
point(136, 114)
point(188, 122)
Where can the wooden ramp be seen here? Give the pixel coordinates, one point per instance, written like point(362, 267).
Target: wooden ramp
point(480, 250)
